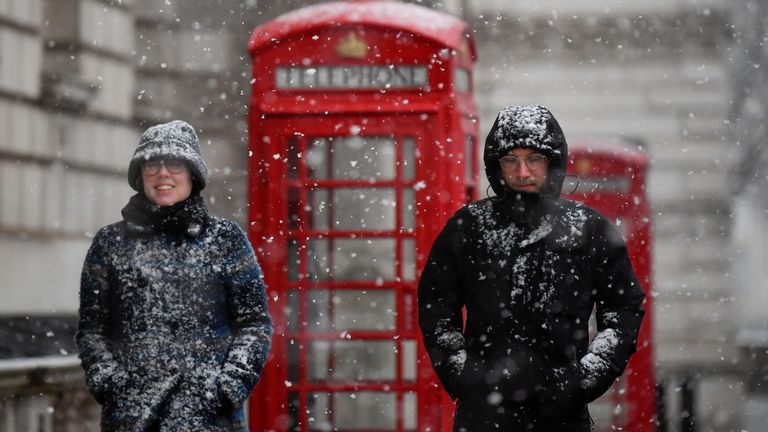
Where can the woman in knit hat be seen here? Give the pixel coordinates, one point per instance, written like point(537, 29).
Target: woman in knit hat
point(174, 328)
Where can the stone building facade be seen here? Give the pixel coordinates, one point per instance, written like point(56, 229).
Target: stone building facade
point(80, 79)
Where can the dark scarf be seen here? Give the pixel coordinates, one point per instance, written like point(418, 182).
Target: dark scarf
point(186, 217)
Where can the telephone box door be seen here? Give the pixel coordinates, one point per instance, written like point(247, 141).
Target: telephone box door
point(340, 223)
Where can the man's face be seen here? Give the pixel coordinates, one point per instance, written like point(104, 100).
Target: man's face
point(166, 182)
point(524, 170)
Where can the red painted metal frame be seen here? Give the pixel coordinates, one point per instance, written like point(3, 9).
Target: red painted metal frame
point(605, 162)
point(440, 117)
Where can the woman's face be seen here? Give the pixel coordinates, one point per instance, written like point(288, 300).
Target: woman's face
point(166, 181)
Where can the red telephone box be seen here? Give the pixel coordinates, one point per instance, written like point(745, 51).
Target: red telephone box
point(611, 179)
point(362, 132)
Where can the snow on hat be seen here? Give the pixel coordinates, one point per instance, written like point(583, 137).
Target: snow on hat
point(526, 126)
point(176, 139)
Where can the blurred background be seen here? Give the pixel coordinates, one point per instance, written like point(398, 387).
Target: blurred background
point(683, 80)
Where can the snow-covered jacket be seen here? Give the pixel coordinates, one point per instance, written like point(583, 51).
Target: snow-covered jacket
point(529, 269)
point(174, 328)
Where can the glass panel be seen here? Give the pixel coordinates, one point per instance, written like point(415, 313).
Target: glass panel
point(409, 259)
point(319, 366)
point(320, 212)
point(281, 78)
point(352, 157)
point(364, 310)
point(364, 259)
point(293, 412)
point(409, 164)
point(318, 156)
point(318, 310)
point(320, 413)
point(349, 411)
point(461, 79)
point(292, 310)
point(351, 310)
point(469, 159)
point(293, 360)
point(410, 411)
point(351, 361)
point(293, 158)
point(294, 211)
point(622, 224)
point(317, 259)
point(408, 358)
point(293, 259)
point(351, 259)
point(355, 209)
point(408, 209)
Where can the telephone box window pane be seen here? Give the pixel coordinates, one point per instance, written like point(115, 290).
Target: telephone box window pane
point(318, 158)
point(622, 224)
point(364, 310)
point(293, 360)
point(318, 310)
point(408, 358)
point(318, 360)
point(281, 78)
point(320, 414)
point(351, 259)
point(317, 259)
point(409, 209)
point(409, 259)
point(291, 310)
point(461, 79)
point(353, 411)
point(351, 361)
point(294, 210)
point(364, 259)
point(361, 209)
point(351, 310)
point(319, 209)
point(352, 157)
point(293, 259)
point(409, 161)
point(293, 158)
point(469, 159)
point(293, 412)
point(410, 411)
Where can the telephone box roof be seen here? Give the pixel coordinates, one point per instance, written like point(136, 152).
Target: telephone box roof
point(418, 20)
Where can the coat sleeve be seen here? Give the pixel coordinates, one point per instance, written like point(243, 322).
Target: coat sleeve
point(102, 371)
point(249, 316)
point(440, 299)
point(619, 312)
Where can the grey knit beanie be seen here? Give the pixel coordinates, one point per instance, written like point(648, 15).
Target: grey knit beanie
point(177, 140)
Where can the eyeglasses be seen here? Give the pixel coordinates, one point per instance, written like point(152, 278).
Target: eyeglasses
point(533, 162)
point(152, 167)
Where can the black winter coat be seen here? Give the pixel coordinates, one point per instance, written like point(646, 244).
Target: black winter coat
point(529, 270)
point(174, 329)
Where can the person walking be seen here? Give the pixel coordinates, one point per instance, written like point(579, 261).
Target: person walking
point(174, 328)
point(528, 267)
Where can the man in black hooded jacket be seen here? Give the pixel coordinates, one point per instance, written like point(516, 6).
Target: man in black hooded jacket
point(529, 267)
